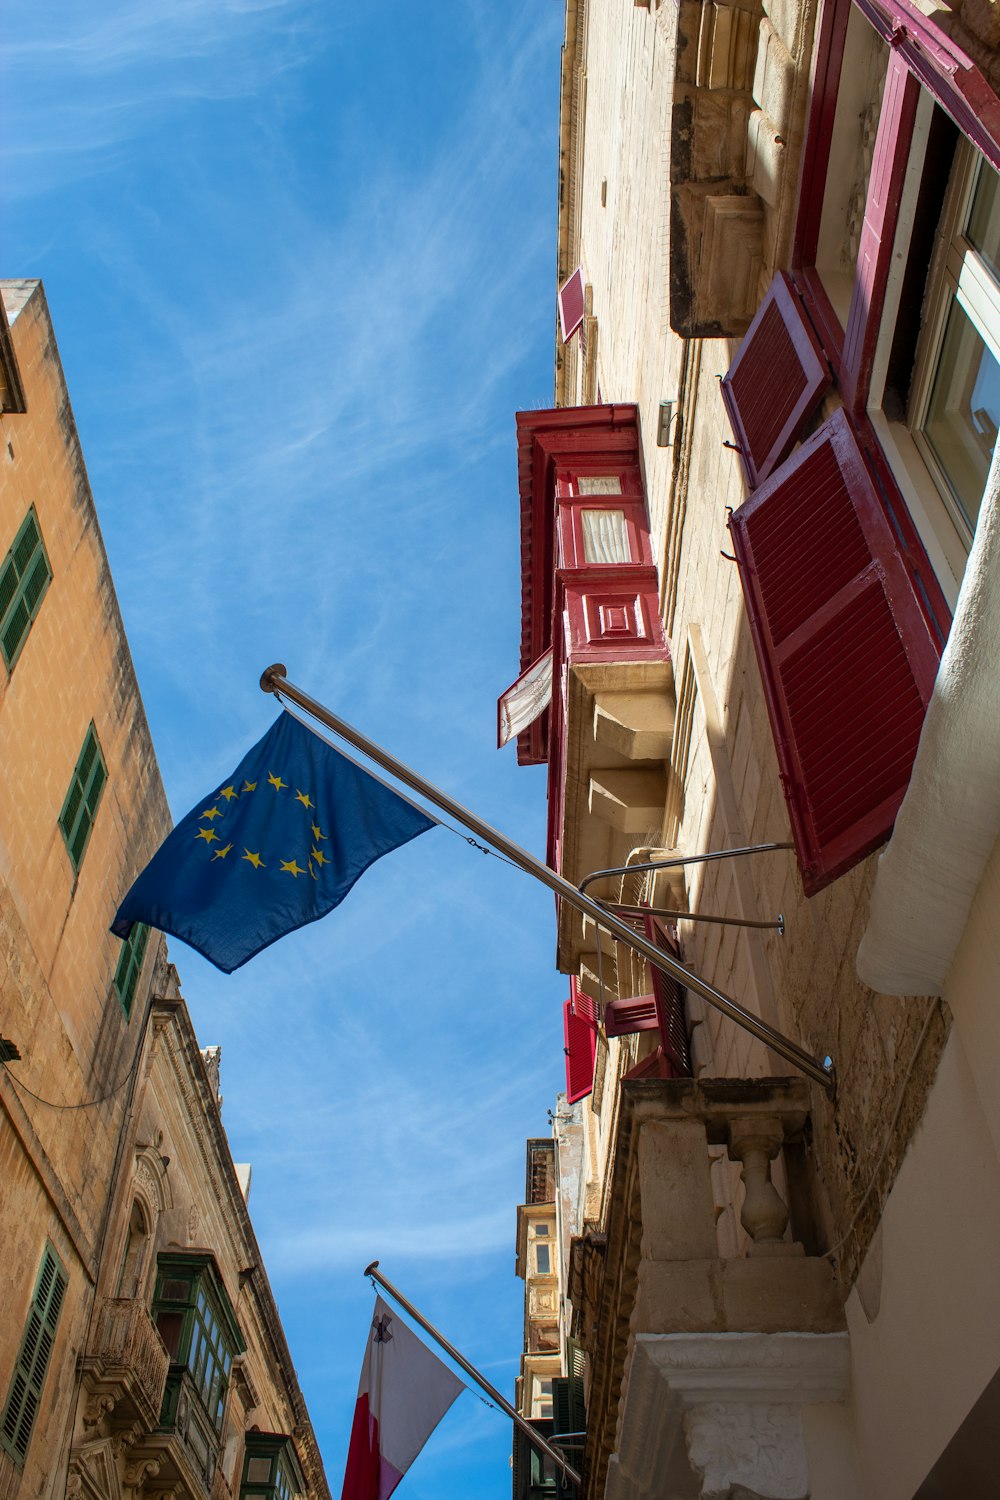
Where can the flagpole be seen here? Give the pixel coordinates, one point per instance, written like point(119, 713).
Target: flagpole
point(273, 680)
point(532, 1433)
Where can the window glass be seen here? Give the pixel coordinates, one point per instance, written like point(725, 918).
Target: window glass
point(963, 414)
point(599, 484)
point(955, 405)
point(542, 1229)
point(605, 536)
point(983, 232)
point(542, 1260)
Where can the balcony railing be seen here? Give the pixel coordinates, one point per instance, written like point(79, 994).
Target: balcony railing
point(128, 1361)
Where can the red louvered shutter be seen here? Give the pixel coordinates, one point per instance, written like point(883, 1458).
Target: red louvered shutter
point(636, 1013)
point(775, 382)
point(579, 1043)
point(571, 305)
point(885, 189)
point(669, 996)
point(847, 660)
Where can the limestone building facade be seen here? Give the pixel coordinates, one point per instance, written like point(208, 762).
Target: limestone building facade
point(141, 1352)
point(759, 536)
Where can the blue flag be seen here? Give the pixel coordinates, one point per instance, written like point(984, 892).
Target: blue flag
point(278, 845)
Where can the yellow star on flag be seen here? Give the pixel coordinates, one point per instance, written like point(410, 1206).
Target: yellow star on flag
point(249, 786)
point(229, 792)
point(305, 799)
point(312, 872)
point(292, 867)
point(221, 853)
point(318, 856)
point(208, 834)
point(276, 781)
point(254, 859)
point(316, 833)
point(211, 812)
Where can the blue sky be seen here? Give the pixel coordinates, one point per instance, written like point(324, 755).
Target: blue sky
point(300, 260)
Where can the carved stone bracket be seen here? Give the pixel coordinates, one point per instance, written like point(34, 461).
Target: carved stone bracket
point(714, 1415)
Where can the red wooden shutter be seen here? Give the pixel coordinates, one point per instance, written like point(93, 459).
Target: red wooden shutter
point(571, 305)
point(846, 656)
point(668, 994)
point(636, 1013)
point(885, 189)
point(775, 382)
point(579, 1043)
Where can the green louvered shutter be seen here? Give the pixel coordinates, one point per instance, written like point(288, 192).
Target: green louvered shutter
point(562, 1405)
point(83, 798)
point(569, 1413)
point(25, 1393)
point(130, 965)
point(24, 577)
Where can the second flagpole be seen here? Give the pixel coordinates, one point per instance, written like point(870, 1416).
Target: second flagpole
point(534, 1436)
point(273, 680)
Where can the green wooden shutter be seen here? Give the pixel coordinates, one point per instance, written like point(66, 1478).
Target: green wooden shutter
point(83, 798)
point(130, 965)
point(25, 1393)
point(24, 577)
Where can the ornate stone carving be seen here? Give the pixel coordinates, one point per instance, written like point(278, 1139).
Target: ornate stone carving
point(137, 1473)
point(98, 1405)
point(759, 1447)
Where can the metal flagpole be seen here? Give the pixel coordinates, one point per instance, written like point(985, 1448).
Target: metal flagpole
point(535, 1437)
point(273, 680)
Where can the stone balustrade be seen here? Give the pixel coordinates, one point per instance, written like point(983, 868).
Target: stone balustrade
point(653, 1276)
point(127, 1364)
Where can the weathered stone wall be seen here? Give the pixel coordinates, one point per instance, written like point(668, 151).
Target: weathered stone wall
point(57, 958)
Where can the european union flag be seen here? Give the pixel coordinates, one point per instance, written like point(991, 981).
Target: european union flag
point(278, 845)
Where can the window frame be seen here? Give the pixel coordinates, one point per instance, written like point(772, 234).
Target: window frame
point(926, 70)
point(960, 278)
point(285, 1479)
point(25, 574)
point(81, 787)
point(202, 1305)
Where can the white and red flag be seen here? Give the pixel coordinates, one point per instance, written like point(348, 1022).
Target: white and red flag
point(403, 1393)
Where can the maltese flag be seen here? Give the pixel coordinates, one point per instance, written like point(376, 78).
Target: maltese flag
point(403, 1393)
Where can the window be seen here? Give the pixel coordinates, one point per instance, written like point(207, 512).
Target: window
point(83, 798)
point(852, 547)
point(954, 408)
point(599, 484)
point(129, 968)
point(134, 1254)
point(270, 1468)
point(196, 1322)
point(542, 1404)
point(543, 1260)
point(24, 577)
point(542, 1229)
point(25, 1392)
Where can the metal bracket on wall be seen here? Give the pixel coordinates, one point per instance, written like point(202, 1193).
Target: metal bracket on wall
point(625, 910)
